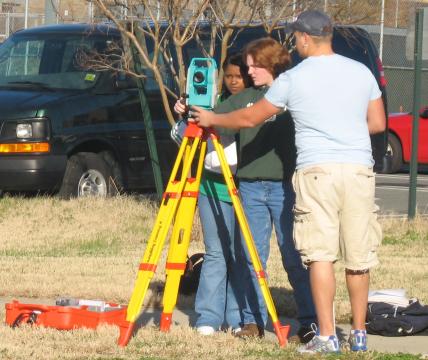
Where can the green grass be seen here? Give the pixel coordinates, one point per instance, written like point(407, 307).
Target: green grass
point(410, 236)
point(90, 249)
point(285, 354)
point(397, 356)
point(100, 245)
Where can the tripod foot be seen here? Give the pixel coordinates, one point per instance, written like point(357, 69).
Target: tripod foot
point(165, 322)
point(126, 330)
point(281, 333)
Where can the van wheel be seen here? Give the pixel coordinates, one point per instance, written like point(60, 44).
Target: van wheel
point(396, 152)
point(86, 174)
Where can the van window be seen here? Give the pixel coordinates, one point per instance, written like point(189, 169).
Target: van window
point(24, 58)
point(51, 61)
point(150, 83)
point(237, 42)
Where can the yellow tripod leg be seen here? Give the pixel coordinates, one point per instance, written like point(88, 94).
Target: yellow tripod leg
point(167, 211)
point(179, 244)
point(281, 331)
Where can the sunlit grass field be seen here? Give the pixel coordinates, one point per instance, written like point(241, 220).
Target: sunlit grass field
point(91, 249)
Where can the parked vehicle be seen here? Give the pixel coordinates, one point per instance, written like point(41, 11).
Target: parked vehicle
point(400, 138)
point(67, 129)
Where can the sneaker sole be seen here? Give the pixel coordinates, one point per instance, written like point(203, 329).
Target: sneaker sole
point(318, 352)
point(205, 331)
point(356, 349)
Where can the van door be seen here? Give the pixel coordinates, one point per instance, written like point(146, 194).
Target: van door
point(140, 166)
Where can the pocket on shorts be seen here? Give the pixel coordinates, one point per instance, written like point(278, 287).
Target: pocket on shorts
point(375, 230)
point(316, 182)
point(366, 172)
point(301, 228)
point(363, 181)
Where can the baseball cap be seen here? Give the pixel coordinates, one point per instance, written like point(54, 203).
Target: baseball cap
point(312, 22)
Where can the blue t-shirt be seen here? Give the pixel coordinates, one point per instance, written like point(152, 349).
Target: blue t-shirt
point(328, 97)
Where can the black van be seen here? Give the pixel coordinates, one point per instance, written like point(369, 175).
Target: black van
point(355, 43)
point(64, 128)
point(77, 131)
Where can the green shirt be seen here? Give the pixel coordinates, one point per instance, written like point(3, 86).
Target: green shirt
point(214, 186)
point(267, 151)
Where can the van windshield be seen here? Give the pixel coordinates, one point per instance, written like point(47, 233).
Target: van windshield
point(51, 61)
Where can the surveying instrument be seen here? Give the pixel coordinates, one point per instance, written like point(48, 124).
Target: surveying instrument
point(178, 208)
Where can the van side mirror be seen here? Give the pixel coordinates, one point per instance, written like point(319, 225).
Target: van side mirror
point(424, 113)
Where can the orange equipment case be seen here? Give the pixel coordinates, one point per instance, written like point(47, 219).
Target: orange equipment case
point(62, 317)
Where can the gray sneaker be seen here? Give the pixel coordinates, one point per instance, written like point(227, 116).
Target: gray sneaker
point(317, 345)
point(358, 340)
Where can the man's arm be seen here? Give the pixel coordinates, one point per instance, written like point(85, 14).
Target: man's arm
point(242, 118)
point(376, 119)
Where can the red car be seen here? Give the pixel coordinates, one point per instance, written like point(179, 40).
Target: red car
point(400, 138)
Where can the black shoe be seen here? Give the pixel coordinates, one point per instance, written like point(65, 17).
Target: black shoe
point(304, 335)
point(250, 330)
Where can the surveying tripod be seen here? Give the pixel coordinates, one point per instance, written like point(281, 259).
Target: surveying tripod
point(178, 207)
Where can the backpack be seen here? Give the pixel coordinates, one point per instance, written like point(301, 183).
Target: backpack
point(190, 280)
point(392, 320)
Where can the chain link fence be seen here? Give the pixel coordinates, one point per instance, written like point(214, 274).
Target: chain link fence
point(390, 23)
point(398, 62)
point(11, 22)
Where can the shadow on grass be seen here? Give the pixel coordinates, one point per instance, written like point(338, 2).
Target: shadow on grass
point(152, 308)
point(151, 313)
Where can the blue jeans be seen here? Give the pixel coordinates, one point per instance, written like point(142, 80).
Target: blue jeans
point(266, 203)
point(216, 299)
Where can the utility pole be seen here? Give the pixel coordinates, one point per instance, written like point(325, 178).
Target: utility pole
point(26, 15)
point(396, 12)
point(419, 26)
point(50, 13)
point(349, 10)
point(90, 12)
point(382, 24)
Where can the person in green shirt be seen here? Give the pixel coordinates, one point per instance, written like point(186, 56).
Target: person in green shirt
point(218, 301)
point(266, 162)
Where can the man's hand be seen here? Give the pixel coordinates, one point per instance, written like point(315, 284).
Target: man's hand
point(201, 117)
point(242, 118)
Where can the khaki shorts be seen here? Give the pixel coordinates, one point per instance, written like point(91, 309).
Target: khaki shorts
point(335, 215)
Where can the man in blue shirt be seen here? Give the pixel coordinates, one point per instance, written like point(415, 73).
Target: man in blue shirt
point(336, 104)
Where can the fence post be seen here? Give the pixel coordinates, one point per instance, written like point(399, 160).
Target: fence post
point(26, 14)
point(50, 12)
point(419, 23)
point(382, 25)
point(7, 30)
point(150, 134)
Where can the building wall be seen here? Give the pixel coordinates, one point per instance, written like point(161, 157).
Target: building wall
point(67, 10)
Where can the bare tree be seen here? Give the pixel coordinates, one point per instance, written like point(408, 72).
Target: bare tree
point(155, 28)
point(135, 32)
